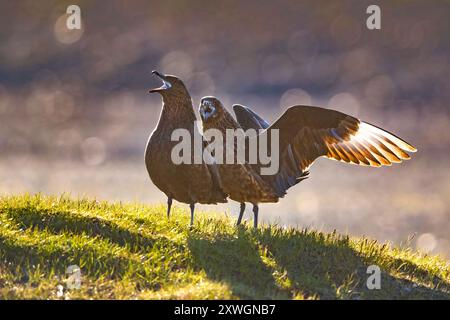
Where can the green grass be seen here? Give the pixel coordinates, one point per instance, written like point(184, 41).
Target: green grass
point(132, 251)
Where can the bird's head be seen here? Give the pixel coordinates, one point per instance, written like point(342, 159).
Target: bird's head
point(210, 109)
point(172, 86)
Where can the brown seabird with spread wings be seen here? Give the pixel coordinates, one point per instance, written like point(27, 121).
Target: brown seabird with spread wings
point(305, 134)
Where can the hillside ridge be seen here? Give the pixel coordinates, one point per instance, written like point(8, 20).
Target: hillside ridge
point(132, 251)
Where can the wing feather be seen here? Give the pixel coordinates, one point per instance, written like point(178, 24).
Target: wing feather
point(314, 132)
point(248, 119)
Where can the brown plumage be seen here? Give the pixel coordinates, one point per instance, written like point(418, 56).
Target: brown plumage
point(305, 134)
point(187, 183)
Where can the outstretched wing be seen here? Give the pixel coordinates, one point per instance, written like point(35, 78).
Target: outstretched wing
point(248, 119)
point(313, 132)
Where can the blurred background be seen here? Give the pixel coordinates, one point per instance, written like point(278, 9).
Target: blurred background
point(75, 115)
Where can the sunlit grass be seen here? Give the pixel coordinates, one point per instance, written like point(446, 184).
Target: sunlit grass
point(131, 251)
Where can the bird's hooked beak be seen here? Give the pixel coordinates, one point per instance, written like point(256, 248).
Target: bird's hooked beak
point(166, 84)
point(206, 110)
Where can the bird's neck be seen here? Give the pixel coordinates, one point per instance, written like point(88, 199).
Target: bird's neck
point(222, 123)
point(176, 109)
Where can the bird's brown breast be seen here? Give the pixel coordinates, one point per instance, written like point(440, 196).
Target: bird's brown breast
point(188, 183)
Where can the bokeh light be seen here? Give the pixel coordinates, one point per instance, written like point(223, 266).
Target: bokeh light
point(294, 97)
point(65, 35)
point(94, 151)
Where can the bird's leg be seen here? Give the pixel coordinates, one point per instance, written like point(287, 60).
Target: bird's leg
point(255, 214)
point(169, 205)
point(192, 206)
point(241, 213)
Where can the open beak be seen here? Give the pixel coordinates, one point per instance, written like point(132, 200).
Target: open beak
point(166, 84)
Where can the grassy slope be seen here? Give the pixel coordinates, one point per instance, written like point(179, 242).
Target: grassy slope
point(133, 251)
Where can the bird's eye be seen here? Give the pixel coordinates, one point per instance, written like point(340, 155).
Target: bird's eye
point(208, 109)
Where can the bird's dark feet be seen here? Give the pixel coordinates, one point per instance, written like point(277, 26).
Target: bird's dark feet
point(192, 207)
point(169, 206)
point(255, 214)
point(241, 214)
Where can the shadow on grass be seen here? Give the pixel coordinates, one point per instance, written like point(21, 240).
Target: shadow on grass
point(320, 264)
point(309, 263)
point(94, 261)
point(27, 257)
point(67, 222)
point(315, 266)
point(407, 267)
point(236, 262)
